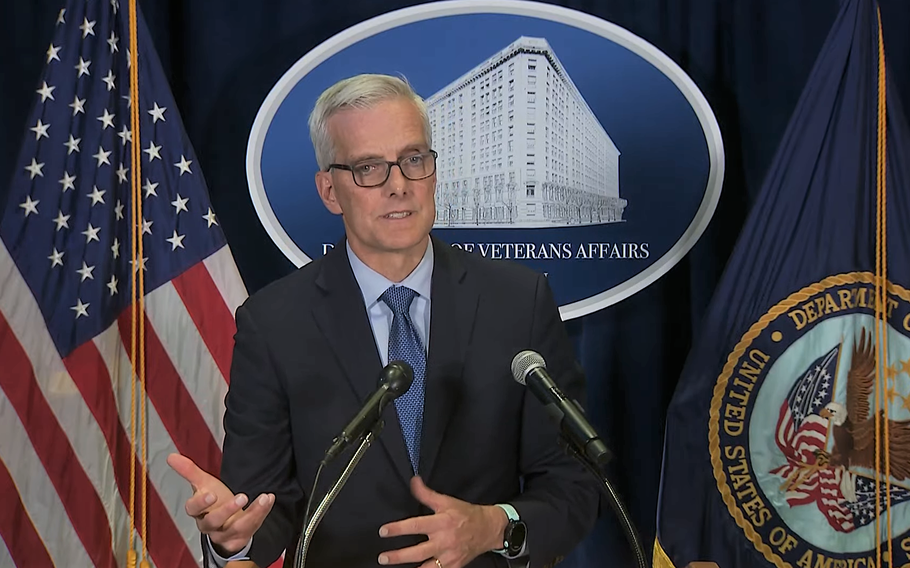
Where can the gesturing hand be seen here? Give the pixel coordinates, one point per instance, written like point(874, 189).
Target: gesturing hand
point(218, 512)
point(458, 531)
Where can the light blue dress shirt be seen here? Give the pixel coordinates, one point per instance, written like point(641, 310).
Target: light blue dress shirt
point(372, 285)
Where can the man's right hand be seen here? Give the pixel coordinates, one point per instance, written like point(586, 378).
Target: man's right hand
point(218, 512)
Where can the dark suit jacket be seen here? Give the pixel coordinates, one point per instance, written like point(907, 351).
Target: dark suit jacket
point(305, 360)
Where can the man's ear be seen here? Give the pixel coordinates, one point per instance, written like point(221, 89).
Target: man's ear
point(326, 188)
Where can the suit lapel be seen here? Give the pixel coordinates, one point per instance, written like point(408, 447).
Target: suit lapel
point(453, 307)
point(343, 319)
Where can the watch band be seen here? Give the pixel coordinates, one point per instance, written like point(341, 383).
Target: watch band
point(510, 511)
point(512, 515)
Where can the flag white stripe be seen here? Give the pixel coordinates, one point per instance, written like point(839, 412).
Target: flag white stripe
point(227, 279)
point(190, 356)
point(5, 558)
point(173, 489)
point(23, 315)
point(38, 494)
point(795, 497)
point(809, 436)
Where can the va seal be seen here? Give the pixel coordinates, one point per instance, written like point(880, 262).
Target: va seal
point(793, 423)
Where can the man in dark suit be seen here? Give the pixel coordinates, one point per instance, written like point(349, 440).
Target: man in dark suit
point(310, 348)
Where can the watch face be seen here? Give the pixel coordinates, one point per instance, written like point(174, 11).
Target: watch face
point(515, 535)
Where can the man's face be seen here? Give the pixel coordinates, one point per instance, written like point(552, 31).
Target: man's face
point(395, 217)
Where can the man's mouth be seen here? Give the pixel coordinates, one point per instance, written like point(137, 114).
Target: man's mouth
point(397, 215)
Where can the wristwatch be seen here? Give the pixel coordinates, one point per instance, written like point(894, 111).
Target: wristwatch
point(515, 534)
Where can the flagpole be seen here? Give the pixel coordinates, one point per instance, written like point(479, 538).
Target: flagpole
point(138, 304)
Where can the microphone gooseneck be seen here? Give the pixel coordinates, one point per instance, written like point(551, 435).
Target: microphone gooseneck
point(394, 381)
point(577, 436)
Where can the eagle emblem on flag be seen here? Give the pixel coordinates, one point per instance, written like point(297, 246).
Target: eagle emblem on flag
point(841, 481)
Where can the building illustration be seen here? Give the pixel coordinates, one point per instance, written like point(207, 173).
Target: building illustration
point(520, 148)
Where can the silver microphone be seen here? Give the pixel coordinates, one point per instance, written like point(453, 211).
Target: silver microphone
point(530, 369)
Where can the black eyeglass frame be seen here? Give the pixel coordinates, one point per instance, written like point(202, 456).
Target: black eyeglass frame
point(389, 170)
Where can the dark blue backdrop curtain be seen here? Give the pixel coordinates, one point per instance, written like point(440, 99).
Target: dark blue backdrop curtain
point(750, 58)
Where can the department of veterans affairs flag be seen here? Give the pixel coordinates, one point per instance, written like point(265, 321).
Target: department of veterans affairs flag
point(65, 322)
point(788, 437)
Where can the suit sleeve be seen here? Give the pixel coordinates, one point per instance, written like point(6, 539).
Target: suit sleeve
point(560, 501)
point(258, 451)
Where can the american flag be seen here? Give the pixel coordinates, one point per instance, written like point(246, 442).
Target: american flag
point(65, 320)
point(800, 429)
point(846, 499)
point(863, 506)
point(801, 433)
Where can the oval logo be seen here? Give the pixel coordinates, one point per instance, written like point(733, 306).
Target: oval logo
point(564, 142)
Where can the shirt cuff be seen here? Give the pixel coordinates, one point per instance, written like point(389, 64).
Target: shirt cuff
point(221, 561)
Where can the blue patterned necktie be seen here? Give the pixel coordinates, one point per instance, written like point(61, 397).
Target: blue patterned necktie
point(405, 345)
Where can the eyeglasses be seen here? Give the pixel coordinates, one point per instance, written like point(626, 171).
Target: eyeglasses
point(373, 173)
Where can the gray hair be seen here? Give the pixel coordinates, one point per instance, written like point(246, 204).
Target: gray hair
point(360, 92)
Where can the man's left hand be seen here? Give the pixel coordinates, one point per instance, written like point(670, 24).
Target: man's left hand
point(458, 531)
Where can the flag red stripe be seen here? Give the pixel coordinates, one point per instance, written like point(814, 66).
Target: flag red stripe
point(211, 315)
point(78, 495)
point(89, 372)
point(16, 528)
point(179, 413)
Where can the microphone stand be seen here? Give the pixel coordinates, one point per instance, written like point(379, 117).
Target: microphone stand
point(615, 502)
point(303, 543)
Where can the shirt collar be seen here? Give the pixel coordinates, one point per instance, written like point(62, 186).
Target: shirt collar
point(372, 284)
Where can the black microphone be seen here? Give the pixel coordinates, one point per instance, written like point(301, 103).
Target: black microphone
point(529, 368)
point(394, 381)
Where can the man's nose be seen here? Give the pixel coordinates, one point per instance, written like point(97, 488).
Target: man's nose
point(397, 183)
